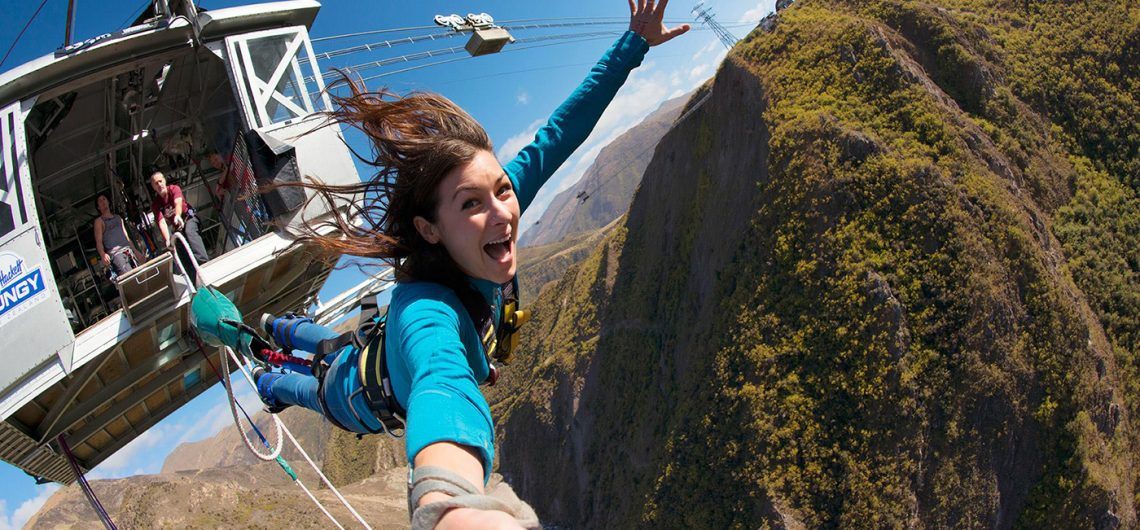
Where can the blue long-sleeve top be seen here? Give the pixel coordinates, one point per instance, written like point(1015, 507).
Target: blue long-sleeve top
point(435, 358)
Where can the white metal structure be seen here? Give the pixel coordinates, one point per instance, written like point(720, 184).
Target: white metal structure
point(210, 98)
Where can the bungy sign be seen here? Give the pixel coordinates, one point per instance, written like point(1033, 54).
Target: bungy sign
point(20, 288)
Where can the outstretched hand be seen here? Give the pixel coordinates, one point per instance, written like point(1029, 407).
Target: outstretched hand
point(645, 19)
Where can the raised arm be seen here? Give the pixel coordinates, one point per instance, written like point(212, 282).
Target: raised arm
point(575, 119)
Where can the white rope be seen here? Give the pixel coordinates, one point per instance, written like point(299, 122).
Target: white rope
point(274, 452)
point(282, 428)
point(319, 505)
point(326, 480)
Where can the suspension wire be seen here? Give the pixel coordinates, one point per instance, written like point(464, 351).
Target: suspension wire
point(372, 32)
point(417, 67)
point(387, 44)
point(447, 51)
point(448, 34)
point(104, 517)
point(134, 14)
point(419, 28)
point(21, 34)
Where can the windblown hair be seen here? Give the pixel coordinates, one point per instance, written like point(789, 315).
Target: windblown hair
point(416, 141)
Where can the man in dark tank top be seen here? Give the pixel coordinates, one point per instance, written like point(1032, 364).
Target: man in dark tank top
point(111, 241)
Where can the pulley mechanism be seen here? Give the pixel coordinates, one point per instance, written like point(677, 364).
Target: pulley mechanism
point(486, 37)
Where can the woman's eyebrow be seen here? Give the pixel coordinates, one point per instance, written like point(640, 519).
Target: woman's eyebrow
point(463, 188)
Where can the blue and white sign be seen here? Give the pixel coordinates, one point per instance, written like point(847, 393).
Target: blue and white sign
point(21, 287)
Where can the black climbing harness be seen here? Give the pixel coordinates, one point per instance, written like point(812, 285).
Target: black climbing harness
point(499, 342)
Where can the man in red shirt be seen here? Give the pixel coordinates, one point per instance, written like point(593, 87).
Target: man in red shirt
point(171, 210)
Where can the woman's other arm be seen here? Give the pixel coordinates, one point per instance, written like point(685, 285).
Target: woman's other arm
point(575, 119)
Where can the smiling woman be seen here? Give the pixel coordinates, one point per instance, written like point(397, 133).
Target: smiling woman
point(444, 213)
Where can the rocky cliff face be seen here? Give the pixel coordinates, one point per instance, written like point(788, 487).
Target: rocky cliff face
point(608, 184)
point(884, 277)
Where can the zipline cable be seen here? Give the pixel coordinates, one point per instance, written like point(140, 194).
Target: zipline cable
point(449, 34)
point(447, 51)
point(420, 28)
point(394, 72)
point(452, 50)
point(21, 34)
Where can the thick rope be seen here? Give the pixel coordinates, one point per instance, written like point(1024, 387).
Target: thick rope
point(85, 486)
point(289, 434)
point(281, 428)
point(274, 452)
point(280, 461)
point(319, 505)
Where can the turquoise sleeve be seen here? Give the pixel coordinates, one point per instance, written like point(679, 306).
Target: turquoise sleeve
point(444, 403)
point(575, 119)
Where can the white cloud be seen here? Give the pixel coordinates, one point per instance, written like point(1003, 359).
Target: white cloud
point(219, 417)
point(712, 45)
point(26, 510)
point(514, 144)
point(757, 13)
point(115, 465)
point(522, 98)
point(699, 71)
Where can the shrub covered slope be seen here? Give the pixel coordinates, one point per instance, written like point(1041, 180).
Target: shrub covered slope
point(886, 277)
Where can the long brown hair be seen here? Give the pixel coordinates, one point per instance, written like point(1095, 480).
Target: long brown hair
point(416, 141)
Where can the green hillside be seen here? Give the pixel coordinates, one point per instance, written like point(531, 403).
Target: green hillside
point(887, 277)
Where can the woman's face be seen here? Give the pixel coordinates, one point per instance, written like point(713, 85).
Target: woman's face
point(477, 219)
point(103, 204)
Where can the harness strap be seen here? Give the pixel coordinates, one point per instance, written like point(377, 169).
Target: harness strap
point(428, 479)
point(375, 381)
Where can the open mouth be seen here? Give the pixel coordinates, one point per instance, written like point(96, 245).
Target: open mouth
point(499, 250)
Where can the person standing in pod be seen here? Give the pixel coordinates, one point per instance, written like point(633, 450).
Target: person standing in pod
point(444, 214)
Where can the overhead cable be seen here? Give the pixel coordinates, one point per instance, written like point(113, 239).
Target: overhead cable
point(448, 51)
point(455, 49)
point(420, 28)
point(443, 35)
point(417, 67)
point(21, 34)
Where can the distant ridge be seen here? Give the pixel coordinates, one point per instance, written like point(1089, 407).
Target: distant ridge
point(610, 181)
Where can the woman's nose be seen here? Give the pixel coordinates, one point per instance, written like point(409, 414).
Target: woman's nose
point(500, 211)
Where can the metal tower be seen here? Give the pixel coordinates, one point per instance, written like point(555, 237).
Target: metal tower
point(705, 14)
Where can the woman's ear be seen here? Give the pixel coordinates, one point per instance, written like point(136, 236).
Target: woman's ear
point(426, 229)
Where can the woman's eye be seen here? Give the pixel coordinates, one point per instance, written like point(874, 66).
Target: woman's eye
point(469, 203)
point(505, 189)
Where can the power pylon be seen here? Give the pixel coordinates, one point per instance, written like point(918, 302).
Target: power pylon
point(705, 15)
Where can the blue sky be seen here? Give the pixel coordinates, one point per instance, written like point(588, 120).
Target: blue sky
point(511, 94)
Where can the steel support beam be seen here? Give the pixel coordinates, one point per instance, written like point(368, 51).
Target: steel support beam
point(97, 423)
point(151, 420)
point(104, 395)
point(61, 405)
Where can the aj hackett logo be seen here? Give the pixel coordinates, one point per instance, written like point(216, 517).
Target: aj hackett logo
point(20, 289)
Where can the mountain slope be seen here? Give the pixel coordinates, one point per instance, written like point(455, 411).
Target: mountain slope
point(610, 181)
point(218, 483)
point(885, 277)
